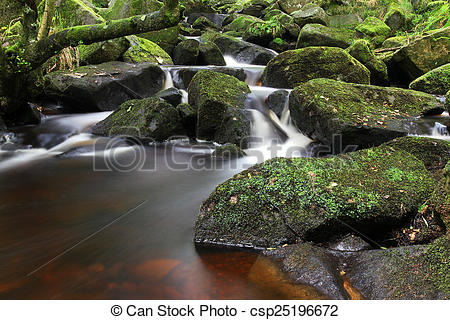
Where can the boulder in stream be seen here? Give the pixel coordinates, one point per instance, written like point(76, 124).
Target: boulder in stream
point(436, 81)
point(105, 86)
point(361, 115)
point(283, 200)
point(294, 67)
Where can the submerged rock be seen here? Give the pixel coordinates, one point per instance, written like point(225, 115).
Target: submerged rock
point(105, 86)
point(436, 81)
point(151, 118)
point(218, 99)
point(283, 200)
point(362, 115)
point(294, 67)
point(319, 35)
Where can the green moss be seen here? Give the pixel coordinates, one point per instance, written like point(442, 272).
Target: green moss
point(241, 23)
point(436, 81)
point(143, 50)
point(228, 151)
point(374, 30)
point(99, 52)
point(127, 8)
point(320, 35)
point(267, 203)
point(165, 38)
point(75, 12)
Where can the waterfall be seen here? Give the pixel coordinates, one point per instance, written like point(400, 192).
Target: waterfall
point(168, 82)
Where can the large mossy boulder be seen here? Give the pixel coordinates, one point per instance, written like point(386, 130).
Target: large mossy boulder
point(319, 35)
point(360, 50)
point(284, 200)
point(150, 118)
point(293, 67)
point(103, 87)
point(105, 51)
point(143, 50)
point(75, 12)
point(119, 9)
point(373, 29)
point(203, 23)
point(436, 81)
point(219, 101)
point(423, 54)
point(396, 17)
point(165, 38)
point(310, 13)
point(186, 52)
point(210, 55)
point(362, 115)
point(241, 23)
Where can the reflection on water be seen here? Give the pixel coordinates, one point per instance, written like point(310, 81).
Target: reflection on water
point(50, 205)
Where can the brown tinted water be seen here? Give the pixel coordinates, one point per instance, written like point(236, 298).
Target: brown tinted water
point(50, 205)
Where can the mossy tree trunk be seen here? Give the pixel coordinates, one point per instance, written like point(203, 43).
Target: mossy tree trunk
point(20, 64)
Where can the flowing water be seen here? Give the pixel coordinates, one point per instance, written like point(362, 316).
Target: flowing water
point(71, 228)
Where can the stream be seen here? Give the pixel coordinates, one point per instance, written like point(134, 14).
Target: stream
point(71, 228)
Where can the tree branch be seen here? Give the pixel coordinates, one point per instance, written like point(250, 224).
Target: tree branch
point(47, 18)
point(41, 51)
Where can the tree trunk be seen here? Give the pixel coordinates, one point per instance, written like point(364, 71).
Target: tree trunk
point(47, 17)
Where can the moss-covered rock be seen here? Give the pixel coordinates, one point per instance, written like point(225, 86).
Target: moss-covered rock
point(447, 101)
point(319, 35)
point(151, 118)
point(210, 54)
point(293, 67)
point(186, 52)
point(361, 51)
point(434, 153)
point(143, 50)
point(255, 7)
point(105, 51)
point(241, 23)
point(171, 95)
point(439, 203)
point(436, 81)
point(283, 200)
point(188, 116)
point(203, 23)
point(424, 54)
point(119, 9)
point(182, 76)
point(373, 29)
point(165, 38)
point(362, 115)
point(394, 42)
point(395, 17)
point(290, 30)
point(228, 151)
point(71, 13)
point(259, 33)
point(290, 6)
point(104, 86)
point(344, 20)
point(310, 13)
point(213, 94)
point(414, 272)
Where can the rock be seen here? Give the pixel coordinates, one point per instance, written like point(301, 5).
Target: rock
point(290, 30)
point(186, 52)
point(412, 272)
point(75, 12)
point(279, 45)
point(362, 115)
point(374, 30)
point(242, 51)
point(439, 203)
point(276, 101)
point(119, 9)
point(188, 116)
point(228, 151)
point(395, 17)
point(310, 13)
point(293, 67)
point(235, 128)
point(319, 35)
point(15, 113)
point(211, 15)
point(171, 95)
point(394, 42)
point(150, 118)
point(143, 50)
point(434, 153)
point(183, 76)
point(424, 54)
point(103, 87)
point(241, 23)
point(254, 7)
point(259, 34)
point(189, 31)
point(283, 200)
point(361, 51)
point(105, 51)
point(311, 265)
point(203, 23)
point(290, 6)
point(436, 81)
point(344, 20)
point(349, 243)
point(213, 94)
point(210, 54)
point(447, 101)
point(165, 38)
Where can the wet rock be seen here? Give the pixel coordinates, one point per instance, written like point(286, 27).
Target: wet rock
point(186, 52)
point(412, 272)
point(283, 200)
point(228, 151)
point(218, 99)
point(423, 54)
point(242, 51)
point(361, 51)
point(18, 113)
point(319, 35)
point(311, 265)
point(171, 95)
point(374, 30)
point(188, 116)
point(436, 81)
point(210, 54)
point(310, 13)
point(349, 243)
point(235, 127)
point(361, 115)
point(276, 101)
point(203, 23)
point(103, 87)
point(150, 118)
point(183, 76)
point(293, 67)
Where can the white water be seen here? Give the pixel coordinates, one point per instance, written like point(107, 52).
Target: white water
point(168, 82)
point(253, 72)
